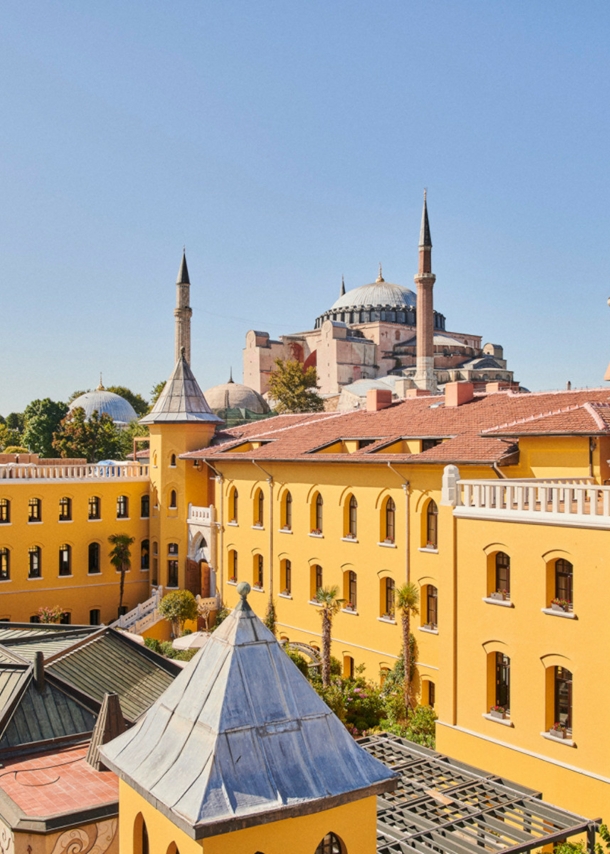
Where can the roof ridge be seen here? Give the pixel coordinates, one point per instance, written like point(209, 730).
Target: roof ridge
point(595, 415)
point(530, 418)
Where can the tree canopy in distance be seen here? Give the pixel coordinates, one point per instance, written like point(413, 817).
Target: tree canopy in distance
point(293, 388)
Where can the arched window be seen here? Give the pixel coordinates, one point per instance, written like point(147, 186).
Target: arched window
point(503, 574)
point(331, 844)
point(388, 606)
point(431, 607)
point(65, 509)
point(316, 582)
point(233, 566)
point(564, 578)
point(155, 564)
point(94, 508)
point(502, 684)
point(390, 521)
point(145, 506)
point(234, 506)
point(348, 667)
point(145, 554)
point(432, 525)
point(350, 592)
point(319, 515)
point(172, 461)
point(286, 581)
point(259, 574)
point(5, 564)
point(122, 507)
point(95, 617)
point(173, 500)
point(563, 700)
point(35, 510)
point(352, 519)
point(287, 511)
point(259, 508)
point(5, 511)
point(172, 572)
point(65, 560)
point(141, 844)
point(94, 557)
point(35, 562)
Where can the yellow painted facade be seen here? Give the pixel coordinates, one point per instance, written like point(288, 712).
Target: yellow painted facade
point(86, 588)
point(354, 824)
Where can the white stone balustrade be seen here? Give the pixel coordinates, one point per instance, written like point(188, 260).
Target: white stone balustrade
point(143, 616)
point(31, 471)
point(575, 503)
point(199, 515)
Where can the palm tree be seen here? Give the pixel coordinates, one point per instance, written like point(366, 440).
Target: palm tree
point(120, 558)
point(331, 604)
point(407, 602)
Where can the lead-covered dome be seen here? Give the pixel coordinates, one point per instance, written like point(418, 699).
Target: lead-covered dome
point(377, 294)
point(232, 395)
point(120, 410)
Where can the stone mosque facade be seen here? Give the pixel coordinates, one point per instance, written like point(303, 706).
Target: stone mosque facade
point(381, 330)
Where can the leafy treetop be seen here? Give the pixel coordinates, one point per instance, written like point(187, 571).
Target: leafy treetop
point(293, 388)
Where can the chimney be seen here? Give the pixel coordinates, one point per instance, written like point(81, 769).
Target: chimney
point(417, 392)
point(110, 724)
point(458, 393)
point(39, 671)
point(492, 388)
point(378, 398)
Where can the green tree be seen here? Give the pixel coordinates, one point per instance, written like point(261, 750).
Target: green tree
point(177, 607)
point(137, 401)
point(95, 439)
point(127, 435)
point(156, 391)
point(331, 605)
point(270, 616)
point(120, 558)
point(293, 388)
point(407, 602)
point(43, 419)
point(15, 421)
point(8, 438)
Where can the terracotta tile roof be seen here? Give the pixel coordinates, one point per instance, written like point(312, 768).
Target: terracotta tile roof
point(474, 432)
point(57, 782)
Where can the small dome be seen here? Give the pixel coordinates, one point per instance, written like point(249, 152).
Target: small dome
point(119, 409)
point(233, 395)
point(378, 293)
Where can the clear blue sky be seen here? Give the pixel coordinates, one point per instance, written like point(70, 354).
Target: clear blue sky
point(287, 143)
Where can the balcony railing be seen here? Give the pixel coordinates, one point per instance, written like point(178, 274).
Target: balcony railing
point(562, 502)
point(31, 471)
point(200, 515)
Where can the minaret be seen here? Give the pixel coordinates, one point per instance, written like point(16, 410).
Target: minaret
point(425, 278)
point(183, 313)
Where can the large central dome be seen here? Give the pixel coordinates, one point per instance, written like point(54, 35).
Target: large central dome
point(379, 293)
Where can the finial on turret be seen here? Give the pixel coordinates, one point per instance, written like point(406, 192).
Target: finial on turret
point(183, 352)
point(231, 374)
point(342, 291)
point(380, 276)
point(243, 588)
point(101, 385)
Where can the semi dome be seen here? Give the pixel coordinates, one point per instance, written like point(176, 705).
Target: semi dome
point(102, 401)
point(232, 395)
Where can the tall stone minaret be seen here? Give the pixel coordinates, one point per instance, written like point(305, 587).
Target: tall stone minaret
point(425, 278)
point(183, 312)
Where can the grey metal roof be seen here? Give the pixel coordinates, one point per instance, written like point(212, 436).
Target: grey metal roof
point(110, 663)
point(181, 400)
point(49, 644)
point(377, 294)
point(441, 805)
point(43, 715)
point(242, 700)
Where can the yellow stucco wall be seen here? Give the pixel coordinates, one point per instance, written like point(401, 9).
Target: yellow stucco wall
point(81, 591)
point(354, 824)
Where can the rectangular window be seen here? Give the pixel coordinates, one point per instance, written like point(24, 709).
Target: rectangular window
point(155, 571)
point(431, 694)
point(95, 508)
point(318, 578)
point(503, 681)
point(94, 617)
point(259, 571)
point(145, 507)
point(172, 549)
point(122, 507)
point(389, 597)
point(503, 573)
point(5, 564)
point(432, 606)
point(65, 509)
point(5, 511)
point(35, 562)
point(352, 588)
point(563, 697)
point(34, 510)
point(288, 577)
point(564, 573)
point(64, 560)
point(172, 573)
point(66, 618)
point(35, 619)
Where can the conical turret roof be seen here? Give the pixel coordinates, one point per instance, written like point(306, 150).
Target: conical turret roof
point(181, 399)
point(241, 738)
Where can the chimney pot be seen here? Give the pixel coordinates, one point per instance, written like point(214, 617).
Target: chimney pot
point(378, 398)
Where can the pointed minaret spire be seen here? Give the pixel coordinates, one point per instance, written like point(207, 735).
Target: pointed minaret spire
point(424, 376)
point(380, 276)
point(183, 312)
point(231, 374)
point(342, 292)
point(101, 385)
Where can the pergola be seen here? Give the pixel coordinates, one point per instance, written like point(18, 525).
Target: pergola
point(441, 805)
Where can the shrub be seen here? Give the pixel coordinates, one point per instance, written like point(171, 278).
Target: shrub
point(178, 606)
point(297, 659)
point(48, 614)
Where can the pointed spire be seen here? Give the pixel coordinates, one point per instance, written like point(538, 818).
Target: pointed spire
point(101, 385)
point(380, 276)
point(342, 292)
point(231, 374)
point(183, 272)
point(424, 233)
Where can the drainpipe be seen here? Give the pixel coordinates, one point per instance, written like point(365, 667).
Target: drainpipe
point(270, 482)
point(500, 474)
point(405, 489)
